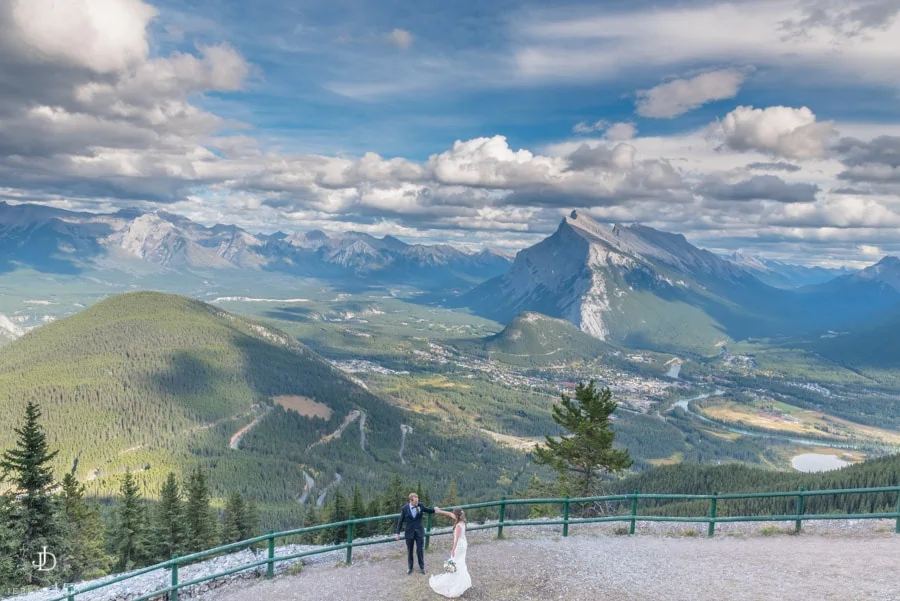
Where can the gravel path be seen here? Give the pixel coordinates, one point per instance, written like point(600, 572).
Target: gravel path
point(835, 565)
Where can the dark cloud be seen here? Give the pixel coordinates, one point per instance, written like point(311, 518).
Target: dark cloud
point(779, 166)
point(849, 18)
point(758, 187)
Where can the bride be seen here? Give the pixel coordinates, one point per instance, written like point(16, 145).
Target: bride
point(454, 584)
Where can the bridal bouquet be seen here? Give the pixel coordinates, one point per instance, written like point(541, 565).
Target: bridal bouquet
point(450, 565)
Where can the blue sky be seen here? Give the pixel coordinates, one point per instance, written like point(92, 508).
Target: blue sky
point(771, 127)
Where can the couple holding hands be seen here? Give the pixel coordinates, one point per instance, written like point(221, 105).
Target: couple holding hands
point(456, 580)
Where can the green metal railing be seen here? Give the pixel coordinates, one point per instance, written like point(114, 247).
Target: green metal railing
point(632, 517)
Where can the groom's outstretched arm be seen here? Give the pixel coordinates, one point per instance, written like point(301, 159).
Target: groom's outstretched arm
point(426, 509)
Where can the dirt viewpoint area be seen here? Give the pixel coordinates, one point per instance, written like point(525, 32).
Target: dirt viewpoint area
point(604, 567)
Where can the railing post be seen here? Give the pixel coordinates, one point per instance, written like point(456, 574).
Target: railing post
point(634, 501)
point(897, 527)
point(350, 541)
point(71, 592)
point(566, 517)
point(800, 508)
point(712, 514)
point(427, 530)
point(502, 516)
point(174, 595)
point(270, 567)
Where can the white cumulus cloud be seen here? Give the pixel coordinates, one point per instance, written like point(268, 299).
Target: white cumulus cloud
point(677, 97)
point(781, 131)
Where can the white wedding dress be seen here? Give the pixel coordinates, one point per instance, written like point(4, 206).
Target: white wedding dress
point(454, 584)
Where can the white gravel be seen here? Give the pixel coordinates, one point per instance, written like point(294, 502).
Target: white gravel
point(840, 560)
point(829, 562)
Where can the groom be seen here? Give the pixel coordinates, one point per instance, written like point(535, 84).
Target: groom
point(411, 514)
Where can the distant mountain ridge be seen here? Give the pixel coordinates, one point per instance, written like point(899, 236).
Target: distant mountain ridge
point(642, 288)
point(55, 240)
point(786, 275)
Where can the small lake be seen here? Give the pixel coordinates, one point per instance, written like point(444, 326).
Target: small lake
point(817, 462)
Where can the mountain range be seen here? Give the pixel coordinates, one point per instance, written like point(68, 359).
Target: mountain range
point(628, 285)
point(642, 288)
point(786, 275)
point(58, 241)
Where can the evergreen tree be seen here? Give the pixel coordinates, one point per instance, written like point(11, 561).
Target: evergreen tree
point(451, 496)
point(249, 526)
point(374, 510)
point(199, 518)
point(358, 510)
point(169, 521)
point(338, 512)
point(10, 538)
point(310, 518)
point(130, 534)
point(584, 456)
point(234, 519)
point(84, 557)
point(27, 467)
point(396, 495)
point(537, 489)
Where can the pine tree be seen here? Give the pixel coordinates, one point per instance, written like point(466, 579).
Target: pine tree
point(537, 489)
point(199, 518)
point(10, 539)
point(451, 496)
point(249, 526)
point(338, 512)
point(358, 510)
point(310, 518)
point(169, 521)
point(395, 496)
point(584, 457)
point(27, 467)
point(234, 519)
point(374, 510)
point(130, 534)
point(85, 556)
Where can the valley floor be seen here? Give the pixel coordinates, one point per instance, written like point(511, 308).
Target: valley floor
point(586, 567)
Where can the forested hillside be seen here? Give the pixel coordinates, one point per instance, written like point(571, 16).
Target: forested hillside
point(157, 383)
point(735, 478)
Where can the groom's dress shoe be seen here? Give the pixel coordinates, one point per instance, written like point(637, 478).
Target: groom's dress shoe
point(409, 571)
point(422, 570)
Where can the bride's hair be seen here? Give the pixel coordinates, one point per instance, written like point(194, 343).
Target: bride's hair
point(460, 515)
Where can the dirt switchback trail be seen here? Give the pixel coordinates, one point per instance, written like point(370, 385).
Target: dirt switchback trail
point(308, 486)
point(239, 435)
point(351, 417)
point(404, 430)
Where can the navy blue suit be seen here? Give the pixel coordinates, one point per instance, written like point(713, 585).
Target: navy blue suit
point(415, 532)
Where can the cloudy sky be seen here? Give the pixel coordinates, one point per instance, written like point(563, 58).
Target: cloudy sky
point(772, 127)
